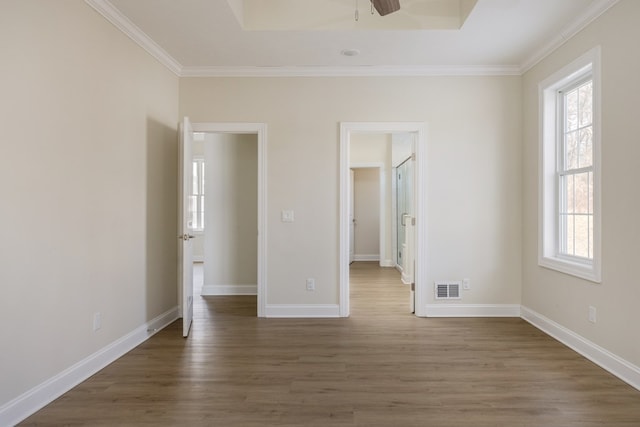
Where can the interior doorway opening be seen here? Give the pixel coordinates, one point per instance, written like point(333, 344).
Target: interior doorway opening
point(396, 152)
point(222, 213)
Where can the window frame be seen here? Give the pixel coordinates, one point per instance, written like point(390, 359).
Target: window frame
point(551, 151)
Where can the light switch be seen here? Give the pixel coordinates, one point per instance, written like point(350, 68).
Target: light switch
point(287, 216)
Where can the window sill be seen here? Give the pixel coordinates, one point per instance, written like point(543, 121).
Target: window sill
point(584, 271)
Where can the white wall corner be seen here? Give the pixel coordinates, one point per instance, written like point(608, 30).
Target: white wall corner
point(472, 310)
point(610, 362)
point(41, 395)
point(302, 310)
point(209, 290)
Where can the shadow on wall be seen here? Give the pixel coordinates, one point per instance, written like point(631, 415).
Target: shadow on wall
point(161, 255)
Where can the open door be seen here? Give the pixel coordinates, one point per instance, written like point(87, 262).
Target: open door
point(406, 225)
point(185, 248)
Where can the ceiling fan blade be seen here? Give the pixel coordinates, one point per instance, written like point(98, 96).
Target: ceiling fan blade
point(385, 7)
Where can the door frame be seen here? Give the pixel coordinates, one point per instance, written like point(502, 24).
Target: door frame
point(420, 189)
point(259, 129)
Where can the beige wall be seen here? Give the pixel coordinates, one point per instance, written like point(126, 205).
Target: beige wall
point(562, 298)
point(473, 171)
point(88, 184)
point(231, 210)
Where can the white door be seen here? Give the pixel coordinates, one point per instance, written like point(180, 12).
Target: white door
point(185, 250)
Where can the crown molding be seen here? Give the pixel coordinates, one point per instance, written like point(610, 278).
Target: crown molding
point(352, 71)
point(120, 21)
point(113, 15)
point(591, 13)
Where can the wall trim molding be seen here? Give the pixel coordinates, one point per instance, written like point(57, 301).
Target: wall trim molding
point(602, 357)
point(131, 30)
point(367, 257)
point(353, 71)
point(41, 395)
point(472, 310)
point(405, 279)
point(209, 290)
point(387, 263)
point(124, 24)
point(302, 310)
point(590, 14)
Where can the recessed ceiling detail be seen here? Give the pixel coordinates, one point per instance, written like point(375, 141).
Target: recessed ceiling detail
point(316, 15)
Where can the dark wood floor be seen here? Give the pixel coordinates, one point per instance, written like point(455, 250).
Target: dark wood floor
point(380, 367)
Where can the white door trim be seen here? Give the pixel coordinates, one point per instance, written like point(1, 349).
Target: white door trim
point(260, 129)
point(381, 206)
point(419, 128)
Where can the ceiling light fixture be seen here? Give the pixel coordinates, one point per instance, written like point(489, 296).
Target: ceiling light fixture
point(350, 52)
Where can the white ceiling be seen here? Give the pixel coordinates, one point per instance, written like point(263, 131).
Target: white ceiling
point(204, 37)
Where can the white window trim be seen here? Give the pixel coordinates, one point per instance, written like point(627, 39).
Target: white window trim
point(548, 188)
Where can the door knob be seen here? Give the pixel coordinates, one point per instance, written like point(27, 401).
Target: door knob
point(186, 237)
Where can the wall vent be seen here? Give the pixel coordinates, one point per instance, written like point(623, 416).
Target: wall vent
point(448, 290)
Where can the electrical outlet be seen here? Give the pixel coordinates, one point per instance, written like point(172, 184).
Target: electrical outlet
point(311, 284)
point(592, 314)
point(466, 284)
point(97, 321)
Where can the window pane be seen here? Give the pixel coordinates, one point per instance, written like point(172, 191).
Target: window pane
point(194, 182)
point(193, 212)
point(571, 150)
point(202, 179)
point(585, 157)
point(582, 239)
point(585, 104)
point(568, 234)
point(581, 188)
point(568, 200)
point(571, 110)
point(201, 212)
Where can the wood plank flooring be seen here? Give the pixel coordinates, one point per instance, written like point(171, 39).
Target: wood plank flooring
point(380, 367)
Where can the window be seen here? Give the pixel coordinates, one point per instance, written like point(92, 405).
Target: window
point(196, 198)
point(569, 169)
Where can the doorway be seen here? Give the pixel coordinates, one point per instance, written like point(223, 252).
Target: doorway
point(233, 156)
point(349, 133)
point(368, 213)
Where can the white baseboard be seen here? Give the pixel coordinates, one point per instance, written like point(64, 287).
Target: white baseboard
point(365, 257)
point(209, 290)
point(387, 263)
point(302, 310)
point(405, 278)
point(619, 367)
point(472, 310)
point(35, 399)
